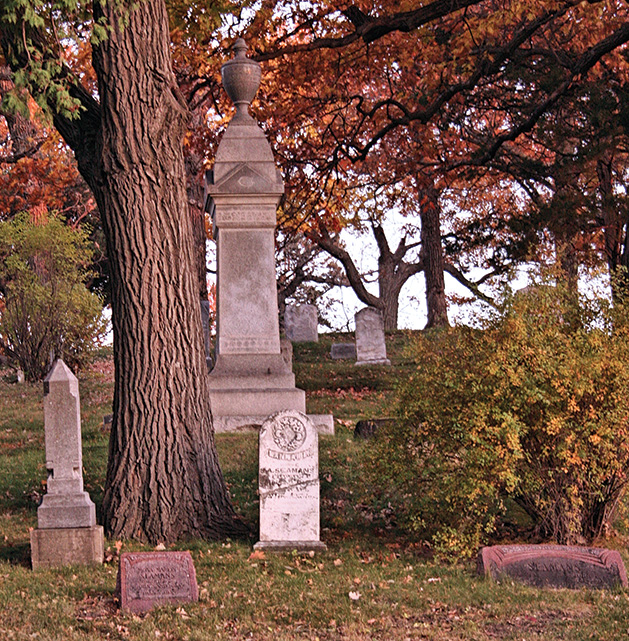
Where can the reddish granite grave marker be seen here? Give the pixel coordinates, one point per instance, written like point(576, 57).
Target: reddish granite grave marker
point(559, 566)
point(147, 579)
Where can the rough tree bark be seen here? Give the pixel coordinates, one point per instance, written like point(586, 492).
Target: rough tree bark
point(163, 478)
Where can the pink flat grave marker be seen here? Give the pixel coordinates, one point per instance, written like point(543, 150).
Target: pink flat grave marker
point(558, 566)
point(149, 579)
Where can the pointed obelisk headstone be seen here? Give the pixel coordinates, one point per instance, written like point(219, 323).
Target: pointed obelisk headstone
point(67, 532)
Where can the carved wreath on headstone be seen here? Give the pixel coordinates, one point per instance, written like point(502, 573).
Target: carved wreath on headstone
point(289, 433)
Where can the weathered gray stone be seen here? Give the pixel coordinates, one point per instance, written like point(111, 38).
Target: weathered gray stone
point(370, 343)
point(559, 566)
point(67, 532)
point(251, 376)
point(65, 504)
point(324, 423)
point(286, 349)
point(289, 483)
point(19, 374)
point(67, 546)
point(301, 323)
point(340, 351)
point(149, 579)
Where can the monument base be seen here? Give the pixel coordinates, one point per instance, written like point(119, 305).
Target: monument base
point(289, 546)
point(324, 423)
point(60, 511)
point(56, 547)
point(381, 361)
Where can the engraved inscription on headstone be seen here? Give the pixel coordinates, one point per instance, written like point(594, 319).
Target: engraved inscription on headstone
point(148, 579)
point(558, 566)
point(289, 483)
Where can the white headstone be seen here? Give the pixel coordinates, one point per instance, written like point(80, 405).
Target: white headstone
point(370, 344)
point(66, 504)
point(289, 483)
point(301, 323)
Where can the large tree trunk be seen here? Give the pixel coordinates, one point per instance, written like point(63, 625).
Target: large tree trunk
point(614, 228)
point(432, 254)
point(163, 478)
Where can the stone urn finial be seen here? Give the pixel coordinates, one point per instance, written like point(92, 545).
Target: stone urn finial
point(241, 79)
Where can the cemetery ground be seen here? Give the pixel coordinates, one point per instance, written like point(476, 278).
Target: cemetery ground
point(374, 582)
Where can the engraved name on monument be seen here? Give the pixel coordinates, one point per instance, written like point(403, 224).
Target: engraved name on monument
point(289, 483)
point(148, 579)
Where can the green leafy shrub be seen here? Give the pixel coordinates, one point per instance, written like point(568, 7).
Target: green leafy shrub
point(45, 306)
point(533, 406)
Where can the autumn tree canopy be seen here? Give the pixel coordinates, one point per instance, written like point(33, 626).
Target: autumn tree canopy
point(441, 101)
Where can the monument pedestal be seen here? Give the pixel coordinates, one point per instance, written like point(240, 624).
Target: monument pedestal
point(56, 547)
point(66, 510)
point(289, 546)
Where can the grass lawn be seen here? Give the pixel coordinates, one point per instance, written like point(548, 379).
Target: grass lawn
point(374, 582)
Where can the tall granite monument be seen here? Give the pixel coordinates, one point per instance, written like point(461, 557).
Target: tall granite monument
point(67, 532)
point(250, 379)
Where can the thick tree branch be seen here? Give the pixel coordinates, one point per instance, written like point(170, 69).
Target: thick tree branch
point(369, 29)
point(80, 133)
point(325, 241)
point(580, 67)
point(471, 285)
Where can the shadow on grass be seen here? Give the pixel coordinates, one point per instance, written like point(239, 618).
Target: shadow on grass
point(16, 554)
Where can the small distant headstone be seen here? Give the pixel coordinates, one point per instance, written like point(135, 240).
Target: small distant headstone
point(108, 419)
point(149, 579)
point(368, 428)
point(301, 323)
point(19, 375)
point(370, 344)
point(289, 483)
point(558, 566)
point(67, 532)
point(340, 351)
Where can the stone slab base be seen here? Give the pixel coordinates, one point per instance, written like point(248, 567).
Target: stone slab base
point(255, 402)
point(56, 547)
point(324, 423)
point(382, 361)
point(289, 546)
